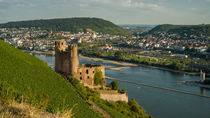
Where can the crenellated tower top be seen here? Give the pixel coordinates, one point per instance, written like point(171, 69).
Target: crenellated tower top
point(60, 45)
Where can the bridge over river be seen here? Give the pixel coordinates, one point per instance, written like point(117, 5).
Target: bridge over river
point(159, 87)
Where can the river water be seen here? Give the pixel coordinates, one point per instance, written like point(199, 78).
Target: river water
point(159, 103)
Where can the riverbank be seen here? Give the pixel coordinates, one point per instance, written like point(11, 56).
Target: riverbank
point(110, 61)
point(125, 64)
point(40, 52)
point(146, 66)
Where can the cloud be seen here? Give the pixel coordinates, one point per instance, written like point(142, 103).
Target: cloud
point(207, 0)
point(83, 5)
point(20, 5)
point(98, 1)
point(131, 4)
point(7, 4)
point(125, 3)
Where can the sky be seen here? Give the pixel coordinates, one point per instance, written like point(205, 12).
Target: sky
point(116, 11)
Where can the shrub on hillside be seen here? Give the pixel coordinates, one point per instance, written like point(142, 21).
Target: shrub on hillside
point(123, 90)
point(98, 77)
point(134, 106)
point(114, 85)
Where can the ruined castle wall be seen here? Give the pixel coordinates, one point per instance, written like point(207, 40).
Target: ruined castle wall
point(114, 97)
point(66, 62)
point(86, 74)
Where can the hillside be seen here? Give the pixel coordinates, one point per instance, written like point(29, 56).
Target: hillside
point(197, 30)
point(33, 79)
point(71, 24)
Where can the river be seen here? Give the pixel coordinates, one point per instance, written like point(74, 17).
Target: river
point(159, 103)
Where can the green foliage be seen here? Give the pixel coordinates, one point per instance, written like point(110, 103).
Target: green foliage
point(119, 55)
point(207, 82)
point(208, 49)
point(73, 25)
point(73, 81)
point(167, 62)
point(134, 106)
point(85, 92)
point(115, 109)
point(123, 90)
point(114, 85)
point(98, 77)
point(196, 30)
point(38, 83)
point(6, 94)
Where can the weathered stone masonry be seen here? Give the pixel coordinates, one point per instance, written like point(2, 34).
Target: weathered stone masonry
point(67, 63)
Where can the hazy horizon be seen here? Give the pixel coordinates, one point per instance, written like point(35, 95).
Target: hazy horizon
point(151, 12)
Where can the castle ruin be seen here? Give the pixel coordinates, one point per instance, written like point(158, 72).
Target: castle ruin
point(67, 63)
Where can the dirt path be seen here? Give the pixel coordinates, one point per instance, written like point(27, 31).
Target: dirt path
point(102, 111)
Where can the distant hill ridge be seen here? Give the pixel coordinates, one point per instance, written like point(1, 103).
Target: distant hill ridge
point(74, 25)
point(196, 30)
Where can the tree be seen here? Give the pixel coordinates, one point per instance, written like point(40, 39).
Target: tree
point(98, 77)
point(114, 85)
point(208, 49)
point(134, 106)
point(123, 90)
point(119, 55)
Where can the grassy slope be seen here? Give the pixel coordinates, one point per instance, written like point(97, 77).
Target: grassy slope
point(71, 24)
point(29, 75)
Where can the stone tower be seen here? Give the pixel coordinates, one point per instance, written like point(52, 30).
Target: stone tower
point(67, 64)
point(60, 45)
point(66, 61)
point(74, 62)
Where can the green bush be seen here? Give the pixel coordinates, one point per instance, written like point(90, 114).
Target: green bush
point(114, 85)
point(134, 106)
point(207, 82)
point(98, 77)
point(123, 90)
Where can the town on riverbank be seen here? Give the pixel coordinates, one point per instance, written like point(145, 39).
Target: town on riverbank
point(152, 50)
point(143, 50)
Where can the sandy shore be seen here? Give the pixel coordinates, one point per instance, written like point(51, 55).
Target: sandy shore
point(119, 68)
point(147, 66)
point(110, 61)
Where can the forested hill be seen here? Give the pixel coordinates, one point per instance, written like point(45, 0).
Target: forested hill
point(196, 30)
point(71, 24)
